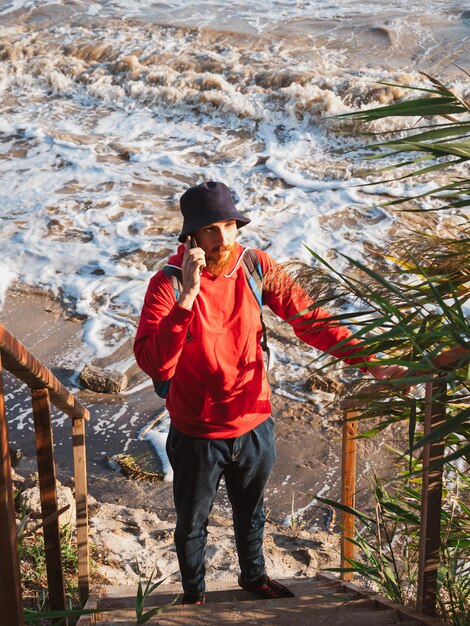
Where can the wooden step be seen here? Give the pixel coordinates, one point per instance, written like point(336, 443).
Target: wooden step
point(408, 615)
point(124, 597)
point(285, 612)
point(321, 601)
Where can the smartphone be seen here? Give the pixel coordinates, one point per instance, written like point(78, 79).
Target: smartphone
point(194, 245)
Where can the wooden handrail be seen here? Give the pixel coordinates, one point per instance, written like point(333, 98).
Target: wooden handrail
point(433, 454)
point(17, 359)
point(10, 591)
point(45, 389)
point(431, 497)
point(348, 490)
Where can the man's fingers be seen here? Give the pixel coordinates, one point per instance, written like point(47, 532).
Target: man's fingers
point(382, 372)
point(193, 256)
point(396, 371)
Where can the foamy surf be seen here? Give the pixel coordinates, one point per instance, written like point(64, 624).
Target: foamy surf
point(111, 110)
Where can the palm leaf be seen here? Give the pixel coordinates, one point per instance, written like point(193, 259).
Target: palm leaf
point(439, 105)
point(436, 133)
point(346, 509)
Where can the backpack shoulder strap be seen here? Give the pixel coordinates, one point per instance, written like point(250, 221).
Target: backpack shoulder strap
point(254, 276)
point(175, 276)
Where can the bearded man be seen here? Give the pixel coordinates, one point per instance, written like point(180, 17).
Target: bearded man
point(206, 339)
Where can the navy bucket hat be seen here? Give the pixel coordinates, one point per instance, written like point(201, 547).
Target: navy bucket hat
point(205, 204)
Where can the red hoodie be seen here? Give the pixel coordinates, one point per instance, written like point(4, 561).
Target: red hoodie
point(213, 354)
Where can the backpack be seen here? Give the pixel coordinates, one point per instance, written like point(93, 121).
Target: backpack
point(254, 276)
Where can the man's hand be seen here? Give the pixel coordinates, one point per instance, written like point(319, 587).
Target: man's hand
point(194, 260)
point(386, 372)
point(391, 372)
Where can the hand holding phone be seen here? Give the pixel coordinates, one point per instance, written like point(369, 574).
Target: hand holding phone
point(193, 260)
point(194, 244)
point(191, 273)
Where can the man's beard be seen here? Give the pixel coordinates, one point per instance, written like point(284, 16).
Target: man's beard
point(218, 263)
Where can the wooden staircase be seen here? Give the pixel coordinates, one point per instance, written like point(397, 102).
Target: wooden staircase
point(320, 600)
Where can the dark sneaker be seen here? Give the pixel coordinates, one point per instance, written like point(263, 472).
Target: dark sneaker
point(194, 598)
point(266, 588)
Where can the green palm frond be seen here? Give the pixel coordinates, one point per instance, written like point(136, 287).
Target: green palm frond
point(408, 305)
point(442, 145)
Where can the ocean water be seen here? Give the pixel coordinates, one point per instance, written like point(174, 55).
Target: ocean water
point(111, 109)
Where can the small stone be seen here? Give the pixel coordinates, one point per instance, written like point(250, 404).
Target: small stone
point(30, 499)
point(17, 480)
point(322, 383)
point(102, 380)
point(92, 501)
point(15, 456)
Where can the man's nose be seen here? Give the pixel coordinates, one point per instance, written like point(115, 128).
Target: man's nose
point(222, 238)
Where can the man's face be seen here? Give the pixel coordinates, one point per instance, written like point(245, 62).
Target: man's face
point(217, 242)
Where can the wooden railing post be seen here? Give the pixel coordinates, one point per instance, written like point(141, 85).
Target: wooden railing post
point(45, 388)
point(49, 507)
point(431, 499)
point(10, 589)
point(348, 489)
point(81, 499)
point(21, 363)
